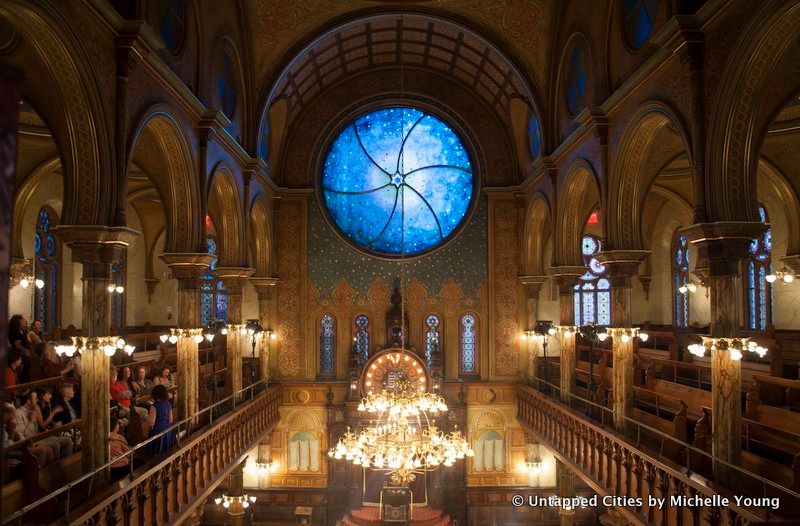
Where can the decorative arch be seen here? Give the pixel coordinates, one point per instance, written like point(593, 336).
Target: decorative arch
point(576, 39)
point(176, 183)
point(23, 199)
point(632, 175)
point(82, 133)
point(753, 89)
point(579, 196)
point(229, 223)
point(489, 434)
point(260, 232)
point(789, 201)
point(538, 225)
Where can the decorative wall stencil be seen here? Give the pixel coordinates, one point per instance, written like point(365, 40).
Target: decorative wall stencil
point(332, 260)
point(505, 285)
point(289, 228)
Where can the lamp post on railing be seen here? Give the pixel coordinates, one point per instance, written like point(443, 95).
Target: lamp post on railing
point(590, 333)
point(545, 329)
point(253, 328)
point(209, 332)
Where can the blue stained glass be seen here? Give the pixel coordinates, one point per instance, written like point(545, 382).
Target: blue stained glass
point(171, 15)
point(768, 240)
point(362, 336)
point(576, 80)
point(604, 308)
point(577, 308)
point(762, 214)
point(468, 345)
point(327, 340)
point(37, 243)
point(534, 135)
point(591, 299)
point(226, 85)
point(639, 16)
point(206, 305)
point(397, 181)
point(759, 291)
point(762, 297)
point(431, 336)
point(751, 293)
point(589, 246)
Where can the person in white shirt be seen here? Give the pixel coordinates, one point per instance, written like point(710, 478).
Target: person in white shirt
point(29, 421)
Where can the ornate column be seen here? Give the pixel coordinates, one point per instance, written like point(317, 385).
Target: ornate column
point(188, 268)
point(234, 279)
point(265, 288)
point(621, 266)
point(531, 286)
point(720, 248)
point(236, 489)
point(566, 489)
point(95, 247)
point(565, 279)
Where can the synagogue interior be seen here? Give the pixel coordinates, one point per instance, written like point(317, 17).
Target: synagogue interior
point(400, 262)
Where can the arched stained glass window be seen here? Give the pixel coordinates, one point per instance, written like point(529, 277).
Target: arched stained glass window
point(213, 299)
point(47, 255)
point(119, 277)
point(639, 17)
point(576, 79)
point(468, 346)
point(534, 135)
point(226, 84)
point(327, 345)
point(397, 181)
point(680, 277)
point(759, 290)
point(592, 295)
point(432, 337)
point(263, 144)
point(171, 17)
point(362, 337)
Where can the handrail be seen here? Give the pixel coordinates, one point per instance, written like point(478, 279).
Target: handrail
point(91, 476)
point(34, 384)
point(537, 383)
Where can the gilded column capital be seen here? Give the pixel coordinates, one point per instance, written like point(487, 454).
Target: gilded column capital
point(622, 265)
point(566, 277)
point(20, 267)
point(95, 243)
point(187, 266)
point(532, 285)
point(722, 245)
point(234, 278)
point(793, 262)
point(264, 286)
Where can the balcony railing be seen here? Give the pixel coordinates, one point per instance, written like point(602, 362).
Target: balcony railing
point(625, 464)
point(179, 479)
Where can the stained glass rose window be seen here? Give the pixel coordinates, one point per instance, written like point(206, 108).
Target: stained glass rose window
point(397, 180)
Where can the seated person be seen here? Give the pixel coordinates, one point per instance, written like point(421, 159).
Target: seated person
point(141, 385)
point(118, 446)
point(30, 422)
point(42, 452)
point(165, 378)
point(69, 411)
point(121, 394)
point(51, 364)
point(13, 368)
point(13, 458)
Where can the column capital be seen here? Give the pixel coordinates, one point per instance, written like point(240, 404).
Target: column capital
point(187, 265)
point(722, 245)
point(566, 277)
point(234, 278)
point(793, 262)
point(622, 265)
point(532, 285)
point(264, 285)
point(95, 243)
point(20, 267)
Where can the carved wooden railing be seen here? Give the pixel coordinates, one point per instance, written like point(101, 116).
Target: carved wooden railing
point(168, 491)
point(614, 465)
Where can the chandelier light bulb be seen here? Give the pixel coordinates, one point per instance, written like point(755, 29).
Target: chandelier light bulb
point(119, 289)
point(173, 338)
point(24, 283)
point(683, 288)
point(109, 350)
point(245, 504)
point(788, 278)
point(198, 338)
point(226, 504)
point(210, 337)
point(644, 336)
point(252, 498)
point(129, 349)
point(120, 343)
point(692, 287)
point(551, 331)
point(771, 278)
point(218, 501)
point(39, 283)
point(625, 338)
point(736, 354)
point(568, 333)
point(111, 288)
point(224, 331)
point(602, 336)
point(163, 338)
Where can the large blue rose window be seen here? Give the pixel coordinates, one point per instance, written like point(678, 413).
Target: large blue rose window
point(397, 181)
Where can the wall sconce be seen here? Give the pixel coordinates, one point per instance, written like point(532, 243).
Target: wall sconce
point(175, 334)
point(269, 333)
point(227, 500)
point(625, 334)
point(785, 275)
point(688, 287)
point(534, 466)
point(736, 346)
point(114, 288)
point(25, 281)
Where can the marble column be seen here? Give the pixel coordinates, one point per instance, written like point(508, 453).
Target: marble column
point(720, 250)
point(531, 286)
point(265, 288)
point(566, 489)
point(188, 269)
point(621, 266)
point(565, 279)
point(237, 344)
point(95, 247)
point(236, 489)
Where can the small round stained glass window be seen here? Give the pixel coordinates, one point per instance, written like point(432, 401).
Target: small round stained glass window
point(397, 181)
point(639, 17)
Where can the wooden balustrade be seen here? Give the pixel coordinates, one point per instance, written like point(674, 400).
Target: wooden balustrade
point(615, 465)
point(169, 491)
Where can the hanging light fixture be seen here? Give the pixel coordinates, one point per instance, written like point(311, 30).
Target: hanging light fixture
point(82, 344)
point(785, 275)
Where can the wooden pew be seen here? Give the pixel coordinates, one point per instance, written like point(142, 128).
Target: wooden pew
point(771, 391)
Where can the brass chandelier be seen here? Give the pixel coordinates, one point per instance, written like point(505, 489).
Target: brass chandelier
point(403, 441)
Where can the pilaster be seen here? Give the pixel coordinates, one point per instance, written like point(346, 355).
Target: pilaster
point(234, 279)
point(265, 288)
point(566, 278)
